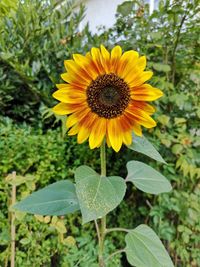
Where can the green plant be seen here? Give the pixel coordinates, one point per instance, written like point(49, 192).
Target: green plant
point(170, 38)
point(34, 153)
point(177, 137)
point(35, 37)
point(106, 97)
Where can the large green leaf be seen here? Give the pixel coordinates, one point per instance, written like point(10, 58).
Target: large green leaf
point(161, 67)
point(125, 8)
point(56, 199)
point(142, 145)
point(97, 195)
point(146, 178)
point(144, 248)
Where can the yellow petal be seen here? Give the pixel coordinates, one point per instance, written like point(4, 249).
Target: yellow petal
point(77, 117)
point(143, 106)
point(62, 109)
point(86, 120)
point(116, 52)
point(88, 55)
point(105, 59)
point(74, 130)
point(130, 56)
point(108, 141)
point(70, 65)
point(98, 132)
point(127, 138)
point(149, 108)
point(97, 60)
point(70, 87)
point(83, 134)
point(127, 62)
point(137, 129)
point(140, 117)
point(145, 93)
point(62, 85)
point(71, 120)
point(64, 95)
point(141, 63)
point(81, 60)
point(114, 134)
point(140, 79)
point(74, 68)
point(73, 78)
point(132, 74)
point(86, 63)
point(115, 57)
point(148, 123)
point(105, 53)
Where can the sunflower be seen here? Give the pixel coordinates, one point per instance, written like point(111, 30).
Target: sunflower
point(105, 96)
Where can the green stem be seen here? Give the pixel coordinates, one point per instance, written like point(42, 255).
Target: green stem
point(175, 47)
point(103, 220)
point(103, 159)
point(97, 229)
point(117, 229)
point(115, 253)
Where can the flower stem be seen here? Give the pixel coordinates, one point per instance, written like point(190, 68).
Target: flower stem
point(103, 159)
point(103, 220)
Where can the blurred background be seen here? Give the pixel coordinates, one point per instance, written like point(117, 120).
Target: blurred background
point(35, 38)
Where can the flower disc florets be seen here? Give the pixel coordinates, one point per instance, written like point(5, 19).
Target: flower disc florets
point(108, 96)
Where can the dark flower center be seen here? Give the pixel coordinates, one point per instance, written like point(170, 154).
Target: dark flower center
point(108, 96)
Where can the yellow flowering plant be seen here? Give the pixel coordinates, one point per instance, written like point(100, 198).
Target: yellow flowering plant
point(105, 96)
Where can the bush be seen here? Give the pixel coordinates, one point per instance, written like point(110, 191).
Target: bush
point(39, 159)
point(36, 37)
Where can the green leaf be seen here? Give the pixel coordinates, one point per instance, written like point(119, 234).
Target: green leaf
point(56, 199)
point(84, 171)
point(144, 248)
point(179, 120)
point(97, 195)
point(25, 241)
point(125, 8)
point(60, 227)
point(177, 149)
point(142, 145)
point(15, 180)
point(164, 120)
point(156, 35)
point(146, 178)
point(161, 67)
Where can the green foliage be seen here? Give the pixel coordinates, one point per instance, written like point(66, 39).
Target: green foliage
point(56, 199)
point(145, 249)
point(34, 42)
point(42, 157)
point(125, 8)
point(7, 6)
point(142, 145)
point(33, 45)
point(97, 195)
point(146, 178)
